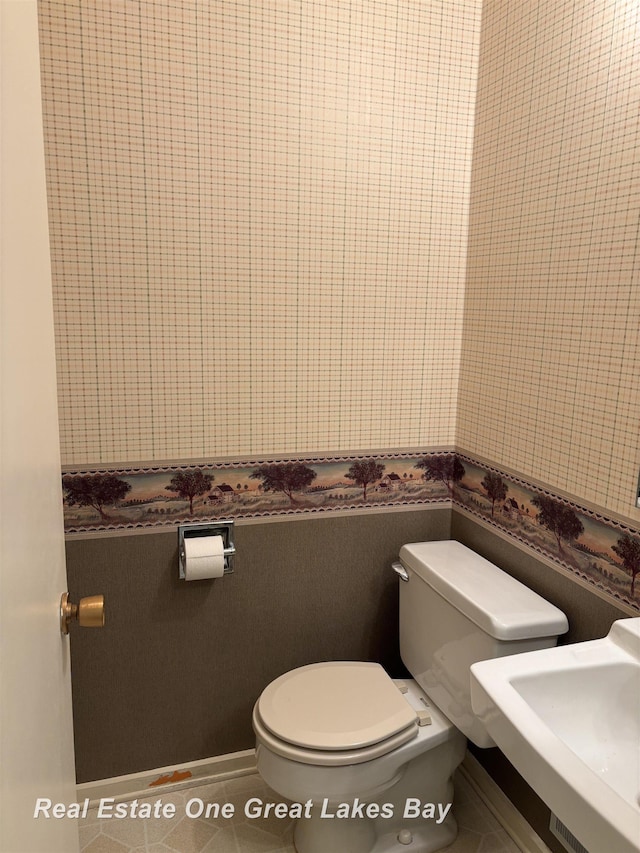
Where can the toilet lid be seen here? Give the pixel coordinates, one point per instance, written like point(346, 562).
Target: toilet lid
point(335, 706)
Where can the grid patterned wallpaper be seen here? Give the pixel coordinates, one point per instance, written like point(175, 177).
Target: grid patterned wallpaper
point(258, 221)
point(550, 366)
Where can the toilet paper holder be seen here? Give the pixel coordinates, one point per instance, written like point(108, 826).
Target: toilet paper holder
point(211, 528)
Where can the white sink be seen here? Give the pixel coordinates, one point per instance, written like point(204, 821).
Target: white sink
point(568, 719)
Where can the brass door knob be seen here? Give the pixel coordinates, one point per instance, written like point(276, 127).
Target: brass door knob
point(89, 612)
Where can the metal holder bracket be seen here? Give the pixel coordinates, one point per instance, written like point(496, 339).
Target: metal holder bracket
point(210, 528)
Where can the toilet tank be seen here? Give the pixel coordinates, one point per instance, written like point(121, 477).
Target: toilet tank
point(458, 608)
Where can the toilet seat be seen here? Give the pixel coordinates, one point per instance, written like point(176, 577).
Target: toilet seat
point(336, 713)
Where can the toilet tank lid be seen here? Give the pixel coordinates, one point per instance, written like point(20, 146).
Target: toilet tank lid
point(499, 604)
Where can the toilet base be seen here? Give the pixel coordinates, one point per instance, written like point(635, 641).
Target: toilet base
point(321, 835)
point(426, 779)
point(318, 835)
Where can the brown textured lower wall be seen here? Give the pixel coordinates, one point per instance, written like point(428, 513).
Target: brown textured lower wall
point(174, 674)
point(589, 617)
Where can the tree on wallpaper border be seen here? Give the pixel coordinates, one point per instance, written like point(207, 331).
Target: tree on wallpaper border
point(559, 518)
point(365, 471)
point(94, 490)
point(444, 467)
point(628, 549)
point(285, 477)
point(495, 487)
point(190, 484)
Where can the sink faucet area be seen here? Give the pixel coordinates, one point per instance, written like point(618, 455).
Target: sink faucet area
point(568, 719)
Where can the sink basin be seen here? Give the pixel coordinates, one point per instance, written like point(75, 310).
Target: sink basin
point(568, 719)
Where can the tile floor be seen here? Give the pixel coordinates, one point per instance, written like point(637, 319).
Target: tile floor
point(479, 832)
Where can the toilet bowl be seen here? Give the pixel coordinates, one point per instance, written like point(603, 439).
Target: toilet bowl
point(375, 757)
point(366, 762)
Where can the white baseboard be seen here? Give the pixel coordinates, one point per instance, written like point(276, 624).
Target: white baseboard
point(203, 772)
point(522, 834)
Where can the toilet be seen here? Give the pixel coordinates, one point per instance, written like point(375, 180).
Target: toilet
point(375, 757)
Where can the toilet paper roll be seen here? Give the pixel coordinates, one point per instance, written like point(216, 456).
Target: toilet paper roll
point(204, 557)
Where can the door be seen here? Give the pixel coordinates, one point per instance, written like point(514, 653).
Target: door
point(36, 739)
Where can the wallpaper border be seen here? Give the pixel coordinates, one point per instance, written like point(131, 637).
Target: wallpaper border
point(598, 549)
point(157, 496)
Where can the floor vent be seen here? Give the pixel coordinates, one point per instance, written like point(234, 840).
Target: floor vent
point(565, 837)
